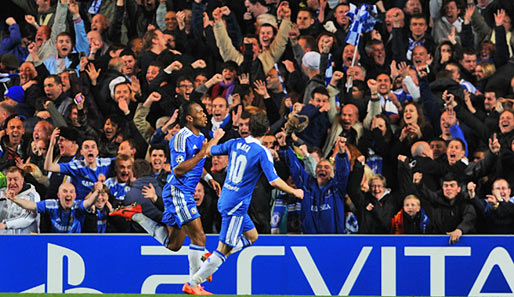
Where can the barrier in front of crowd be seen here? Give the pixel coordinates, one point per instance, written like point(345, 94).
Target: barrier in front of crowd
point(281, 265)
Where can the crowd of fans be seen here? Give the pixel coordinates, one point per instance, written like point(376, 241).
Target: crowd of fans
point(422, 107)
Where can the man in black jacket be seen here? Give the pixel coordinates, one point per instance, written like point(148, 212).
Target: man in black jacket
point(450, 213)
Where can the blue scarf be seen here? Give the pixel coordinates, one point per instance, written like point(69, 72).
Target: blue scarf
point(424, 221)
point(218, 125)
point(412, 45)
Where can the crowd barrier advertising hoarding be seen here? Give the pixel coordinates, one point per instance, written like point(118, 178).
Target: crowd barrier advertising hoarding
point(288, 265)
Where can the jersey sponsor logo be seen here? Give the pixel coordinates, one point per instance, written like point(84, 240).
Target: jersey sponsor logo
point(232, 188)
point(87, 183)
point(322, 207)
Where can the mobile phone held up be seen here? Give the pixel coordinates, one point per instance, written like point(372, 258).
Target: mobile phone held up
point(78, 99)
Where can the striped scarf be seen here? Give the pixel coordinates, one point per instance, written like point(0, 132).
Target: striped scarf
point(397, 226)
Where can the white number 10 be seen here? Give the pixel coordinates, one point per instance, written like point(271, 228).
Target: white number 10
point(237, 168)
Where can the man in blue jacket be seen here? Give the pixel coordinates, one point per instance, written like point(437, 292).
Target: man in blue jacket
point(323, 202)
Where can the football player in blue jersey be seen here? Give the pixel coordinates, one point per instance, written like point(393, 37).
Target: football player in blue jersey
point(188, 149)
point(248, 159)
point(84, 172)
point(187, 156)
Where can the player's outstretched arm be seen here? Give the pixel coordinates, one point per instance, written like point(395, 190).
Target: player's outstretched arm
point(23, 203)
point(218, 134)
point(283, 186)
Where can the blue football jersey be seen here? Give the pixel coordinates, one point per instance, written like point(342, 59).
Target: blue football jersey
point(118, 190)
point(83, 177)
point(101, 219)
point(247, 160)
point(63, 221)
point(184, 146)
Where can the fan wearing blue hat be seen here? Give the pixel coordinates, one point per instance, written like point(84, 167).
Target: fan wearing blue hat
point(15, 93)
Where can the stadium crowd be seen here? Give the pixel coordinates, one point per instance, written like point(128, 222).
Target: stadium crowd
point(422, 107)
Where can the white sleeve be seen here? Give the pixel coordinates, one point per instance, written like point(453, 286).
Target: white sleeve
point(21, 222)
point(412, 88)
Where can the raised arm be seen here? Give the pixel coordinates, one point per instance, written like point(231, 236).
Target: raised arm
point(342, 170)
point(49, 164)
point(333, 91)
point(160, 15)
point(81, 41)
point(114, 33)
point(374, 106)
point(279, 44)
point(59, 24)
point(93, 195)
point(227, 50)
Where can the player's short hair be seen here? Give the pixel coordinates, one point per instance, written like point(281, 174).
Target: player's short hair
point(259, 124)
point(142, 168)
point(185, 110)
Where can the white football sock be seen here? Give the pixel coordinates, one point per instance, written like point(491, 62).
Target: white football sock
point(153, 228)
point(208, 267)
point(195, 259)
